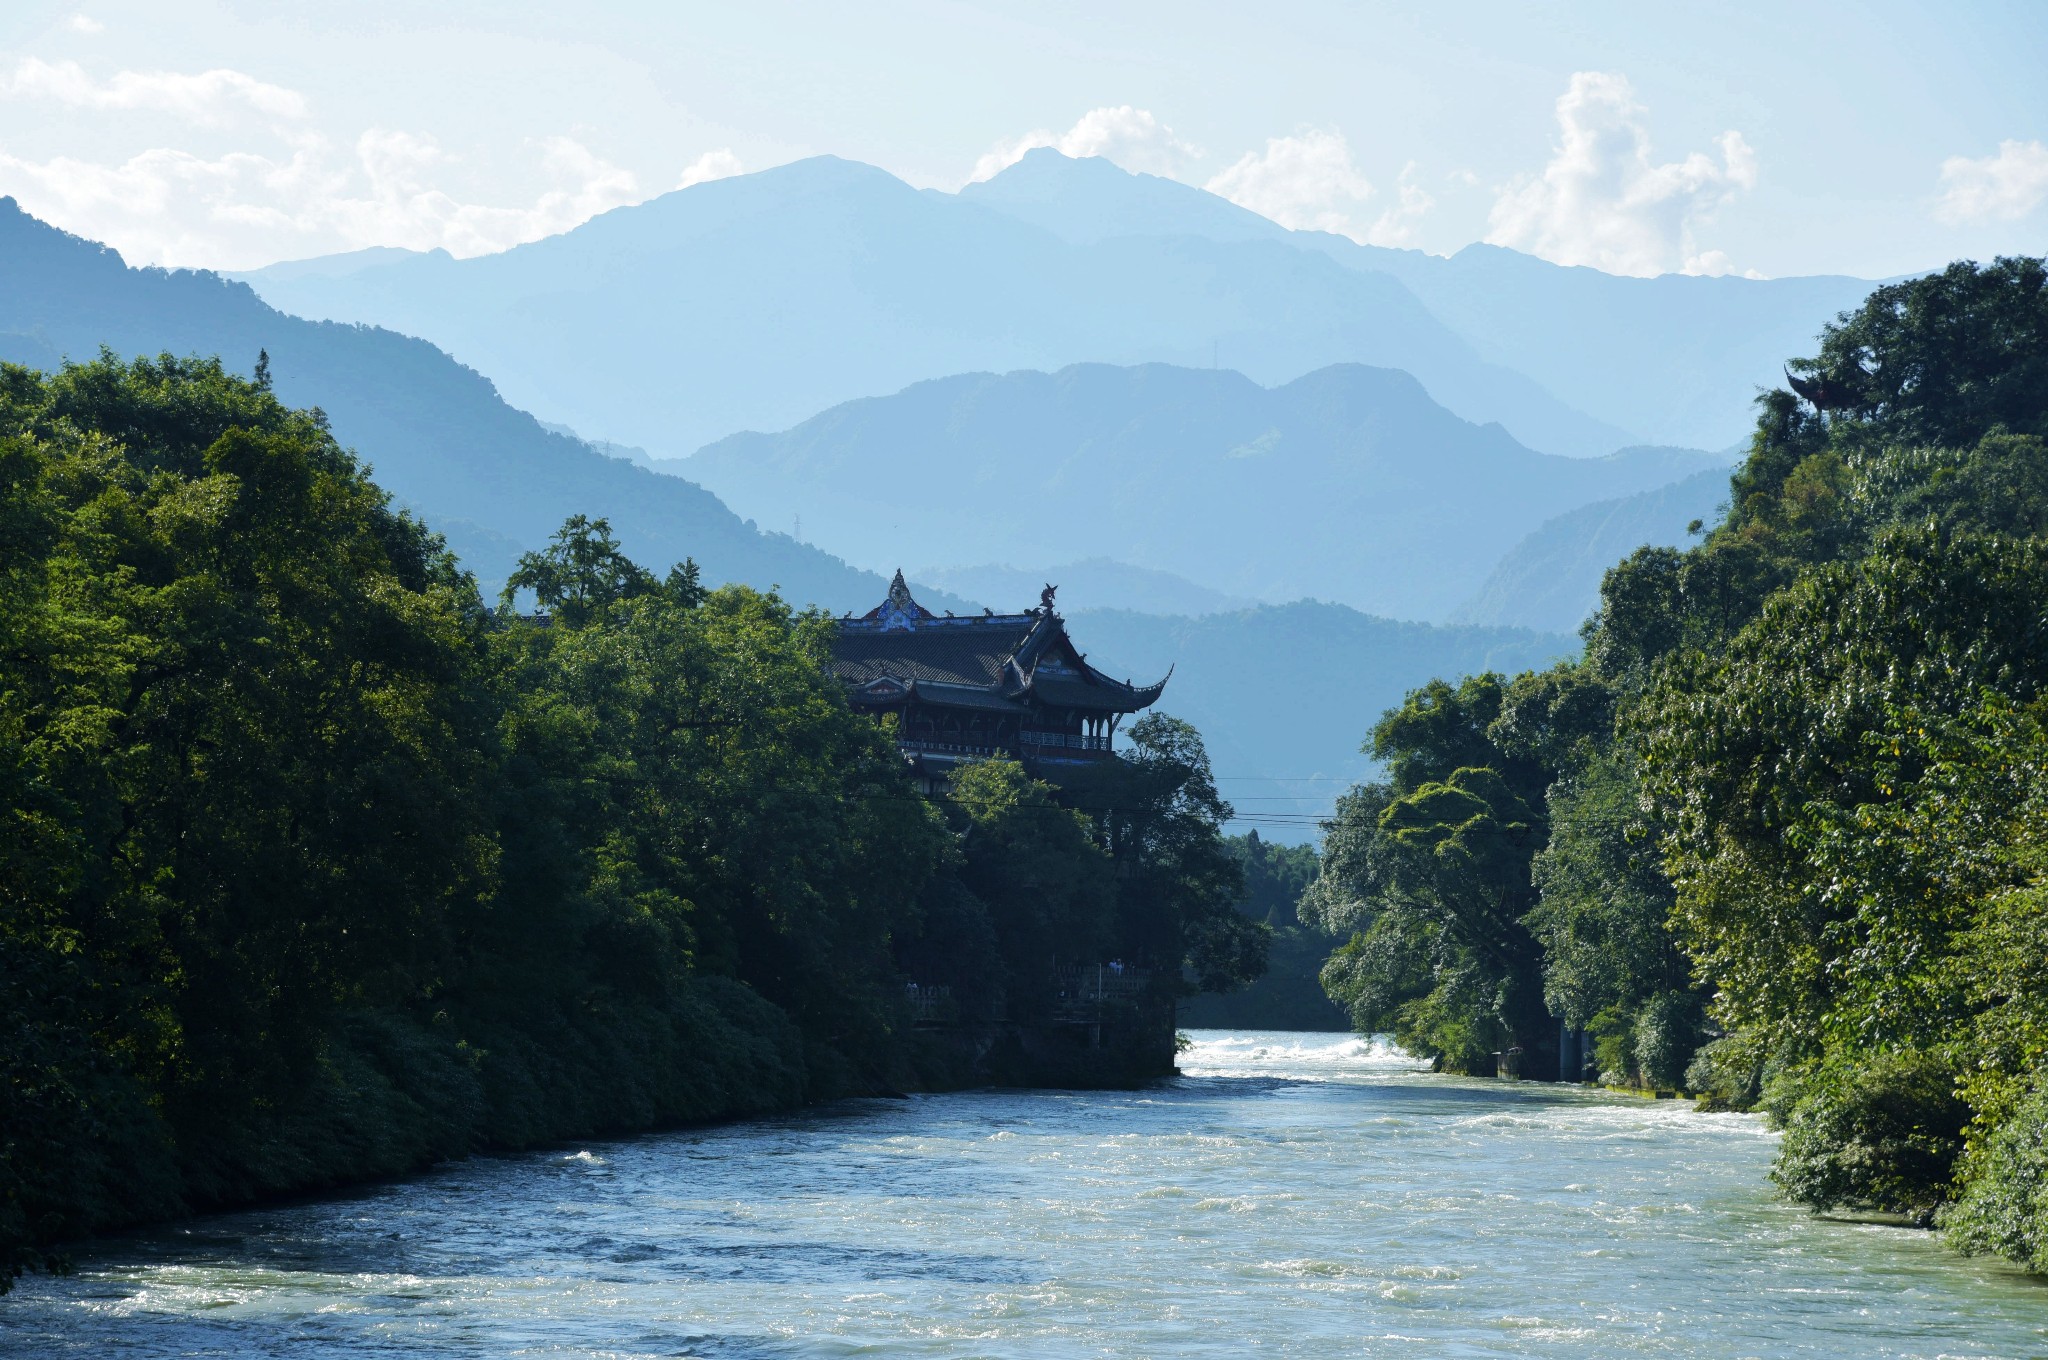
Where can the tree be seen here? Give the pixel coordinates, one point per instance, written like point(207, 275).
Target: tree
point(1045, 883)
point(1429, 876)
point(1940, 360)
point(1771, 763)
point(1275, 877)
point(583, 572)
point(1604, 901)
point(731, 815)
point(1178, 885)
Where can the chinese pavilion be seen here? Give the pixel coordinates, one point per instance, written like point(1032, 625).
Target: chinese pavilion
point(965, 688)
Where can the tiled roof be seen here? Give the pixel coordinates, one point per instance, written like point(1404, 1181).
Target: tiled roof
point(990, 661)
point(1072, 691)
point(969, 651)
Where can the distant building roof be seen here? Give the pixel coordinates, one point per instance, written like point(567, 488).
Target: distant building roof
point(900, 650)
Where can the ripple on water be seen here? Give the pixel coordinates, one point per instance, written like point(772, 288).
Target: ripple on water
point(1314, 1193)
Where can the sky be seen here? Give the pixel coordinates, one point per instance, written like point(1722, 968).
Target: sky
point(1872, 139)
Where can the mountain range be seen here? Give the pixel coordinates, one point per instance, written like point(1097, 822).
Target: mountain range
point(1675, 359)
point(1184, 490)
point(1094, 583)
point(1348, 484)
point(497, 482)
point(756, 301)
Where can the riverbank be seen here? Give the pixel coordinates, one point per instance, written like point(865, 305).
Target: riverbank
point(392, 1099)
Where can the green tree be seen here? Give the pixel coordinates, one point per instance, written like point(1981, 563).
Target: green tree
point(1045, 882)
point(1178, 885)
point(583, 572)
point(1428, 875)
point(1275, 877)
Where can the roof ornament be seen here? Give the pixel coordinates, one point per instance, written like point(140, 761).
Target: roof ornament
point(899, 610)
point(1045, 597)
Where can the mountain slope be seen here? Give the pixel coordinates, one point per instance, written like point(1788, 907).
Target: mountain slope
point(756, 301)
point(1285, 694)
point(1675, 358)
point(1097, 583)
point(436, 433)
point(1680, 358)
point(1348, 484)
point(1551, 579)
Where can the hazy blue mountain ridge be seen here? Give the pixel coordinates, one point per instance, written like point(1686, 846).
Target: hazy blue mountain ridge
point(757, 301)
point(1086, 200)
point(1551, 579)
point(1677, 358)
point(436, 433)
point(1349, 484)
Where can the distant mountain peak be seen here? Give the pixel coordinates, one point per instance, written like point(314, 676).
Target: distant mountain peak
point(811, 174)
point(1086, 198)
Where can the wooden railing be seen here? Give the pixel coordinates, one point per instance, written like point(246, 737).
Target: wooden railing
point(1071, 741)
point(950, 748)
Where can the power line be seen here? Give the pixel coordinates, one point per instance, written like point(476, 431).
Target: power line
point(1287, 778)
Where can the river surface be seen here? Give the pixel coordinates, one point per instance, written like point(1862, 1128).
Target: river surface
point(1292, 1195)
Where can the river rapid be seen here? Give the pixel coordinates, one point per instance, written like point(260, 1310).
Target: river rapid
point(1291, 1195)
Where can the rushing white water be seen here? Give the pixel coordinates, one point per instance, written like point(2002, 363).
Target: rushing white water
point(1291, 1195)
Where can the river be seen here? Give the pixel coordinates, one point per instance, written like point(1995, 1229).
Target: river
point(1292, 1195)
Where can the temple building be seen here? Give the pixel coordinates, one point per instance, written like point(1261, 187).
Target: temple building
point(966, 688)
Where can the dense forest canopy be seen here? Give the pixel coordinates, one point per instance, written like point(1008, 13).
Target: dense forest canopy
point(316, 867)
point(1774, 836)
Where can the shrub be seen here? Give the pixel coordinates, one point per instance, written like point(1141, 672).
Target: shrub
point(1667, 1031)
point(1728, 1072)
point(1882, 1134)
point(1610, 1031)
point(2003, 1209)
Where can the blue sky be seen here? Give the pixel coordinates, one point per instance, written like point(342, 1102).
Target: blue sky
point(1870, 139)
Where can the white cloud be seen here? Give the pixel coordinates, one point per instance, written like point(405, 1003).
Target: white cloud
point(392, 199)
point(1311, 182)
point(1307, 182)
point(719, 164)
point(210, 97)
point(287, 189)
point(1396, 226)
point(1602, 201)
point(168, 206)
point(1131, 137)
point(86, 24)
point(2001, 188)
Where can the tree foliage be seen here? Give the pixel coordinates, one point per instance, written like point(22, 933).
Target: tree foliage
point(1429, 876)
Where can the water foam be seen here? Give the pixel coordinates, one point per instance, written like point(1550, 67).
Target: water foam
point(1294, 1055)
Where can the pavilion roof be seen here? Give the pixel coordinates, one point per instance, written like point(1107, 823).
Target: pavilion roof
point(899, 648)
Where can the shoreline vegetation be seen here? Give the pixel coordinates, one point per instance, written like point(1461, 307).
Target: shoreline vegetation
point(319, 869)
point(1775, 835)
